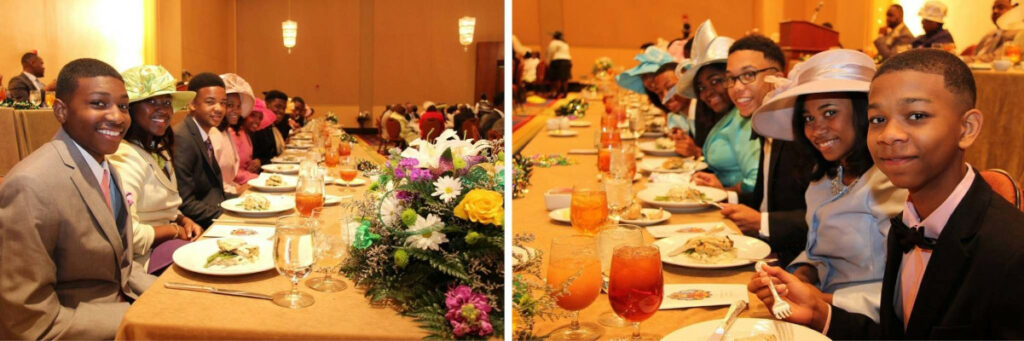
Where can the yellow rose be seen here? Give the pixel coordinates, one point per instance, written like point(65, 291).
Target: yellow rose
point(482, 206)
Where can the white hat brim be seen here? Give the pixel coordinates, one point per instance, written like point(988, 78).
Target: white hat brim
point(775, 117)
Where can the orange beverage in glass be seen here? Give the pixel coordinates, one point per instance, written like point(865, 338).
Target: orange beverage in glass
point(344, 149)
point(349, 174)
point(332, 158)
point(588, 210)
point(306, 202)
point(575, 257)
point(604, 157)
point(635, 282)
point(1013, 52)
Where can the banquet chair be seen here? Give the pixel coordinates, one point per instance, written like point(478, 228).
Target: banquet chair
point(470, 129)
point(1003, 184)
point(495, 134)
point(394, 132)
point(432, 128)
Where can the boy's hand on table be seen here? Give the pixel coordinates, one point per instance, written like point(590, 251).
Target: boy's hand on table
point(746, 218)
point(804, 299)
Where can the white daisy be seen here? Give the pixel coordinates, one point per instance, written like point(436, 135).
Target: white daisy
point(430, 240)
point(390, 209)
point(447, 188)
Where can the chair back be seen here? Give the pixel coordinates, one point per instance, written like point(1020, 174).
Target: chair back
point(1004, 185)
point(431, 129)
point(394, 129)
point(495, 134)
point(470, 129)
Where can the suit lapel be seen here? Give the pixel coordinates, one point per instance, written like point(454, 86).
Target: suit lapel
point(949, 260)
point(90, 192)
point(210, 164)
point(170, 182)
point(892, 325)
point(125, 219)
point(773, 163)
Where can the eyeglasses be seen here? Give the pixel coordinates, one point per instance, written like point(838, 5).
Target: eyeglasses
point(714, 82)
point(157, 103)
point(746, 77)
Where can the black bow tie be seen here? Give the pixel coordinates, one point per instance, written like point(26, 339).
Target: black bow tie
point(909, 237)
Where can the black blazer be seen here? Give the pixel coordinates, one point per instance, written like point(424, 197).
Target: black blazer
point(264, 146)
point(199, 179)
point(971, 288)
point(789, 174)
point(19, 86)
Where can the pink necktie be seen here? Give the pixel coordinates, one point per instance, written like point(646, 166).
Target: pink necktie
point(106, 188)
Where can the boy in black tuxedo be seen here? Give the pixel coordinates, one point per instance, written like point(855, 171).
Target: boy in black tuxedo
point(955, 272)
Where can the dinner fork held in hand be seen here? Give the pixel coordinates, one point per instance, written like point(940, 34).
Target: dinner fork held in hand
point(780, 309)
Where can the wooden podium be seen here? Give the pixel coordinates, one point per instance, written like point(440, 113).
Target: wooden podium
point(799, 38)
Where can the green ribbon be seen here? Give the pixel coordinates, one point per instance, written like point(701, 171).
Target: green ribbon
point(364, 238)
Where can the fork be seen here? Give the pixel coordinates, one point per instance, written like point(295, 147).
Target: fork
point(780, 309)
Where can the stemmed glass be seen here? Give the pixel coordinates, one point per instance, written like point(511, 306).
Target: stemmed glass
point(293, 258)
point(618, 183)
point(612, 236)
point(636, 284)
point(588, 209)
point(309, 194)
point(331, 242)
point(574, 272)
point(348, 173)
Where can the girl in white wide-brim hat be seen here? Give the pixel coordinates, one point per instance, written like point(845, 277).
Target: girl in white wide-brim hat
point(822, 106)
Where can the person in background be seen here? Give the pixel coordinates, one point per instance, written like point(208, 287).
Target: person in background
point(241, 135)
point(459, 119)
point(1008, 19)
point(269, 141)
point(277, 102)
point(195, 163)
point(240, 99)
point(641, 77)
point(143, 159)
point(400, 116)
point(301, 112)
point(933, 14)
point(775, 208)
point(530, 62)
point(849, 200)
point(64, 215)
point(431, 113)
point(32, 70)
point(894, 37)
point(559, 65)
point(490, 119)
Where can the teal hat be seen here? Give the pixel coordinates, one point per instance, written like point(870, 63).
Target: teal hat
point(652, 59)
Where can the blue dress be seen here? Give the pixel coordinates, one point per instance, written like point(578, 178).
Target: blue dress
point(846, 238)
point(730, 152)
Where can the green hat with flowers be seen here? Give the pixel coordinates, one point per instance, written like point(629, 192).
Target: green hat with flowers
point(146, 81)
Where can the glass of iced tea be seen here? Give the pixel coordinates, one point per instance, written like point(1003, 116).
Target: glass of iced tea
point(344, 149)
point(588, 209)
point(309, 194)
point(348, 173)
point(1012, 52)
point(574, 274)
point(636, 284)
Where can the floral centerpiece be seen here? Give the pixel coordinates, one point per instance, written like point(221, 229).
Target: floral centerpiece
point(332, 117)
point(574, 108)
point(431, 238)
point(601, 67)
point(22, 105)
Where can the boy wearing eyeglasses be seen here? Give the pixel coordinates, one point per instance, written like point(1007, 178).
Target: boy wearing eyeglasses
point(775, 209)
point(954, 257)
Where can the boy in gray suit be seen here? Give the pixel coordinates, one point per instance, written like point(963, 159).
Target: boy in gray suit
point(65, 230)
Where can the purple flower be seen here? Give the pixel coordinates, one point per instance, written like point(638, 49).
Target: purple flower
point(399, 173)
point(467, 312)
point(418, 174)
point(408, 163)
point(472, 160)
point(404, 195)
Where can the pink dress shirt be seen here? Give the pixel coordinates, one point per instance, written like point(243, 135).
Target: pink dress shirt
point(916, 261)
point(243, 144)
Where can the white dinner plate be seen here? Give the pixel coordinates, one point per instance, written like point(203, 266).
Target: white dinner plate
point(653, 134)
point(625, 135)
point(218, 230)
point(288, 183)
point(644, 222)
point(278, 204)
point(288, 159)
point(579, 123)
point(302, 137)
point(563, 133)
point(650, 147)
point(562, 215)
point(298, 146)
point(283, 168)
point(746, 248)
point(330, 199)
point(747, 327)
point(355, 182)
point(659, 189)
point(192, 257)
point(654, 166)
point(665, 231)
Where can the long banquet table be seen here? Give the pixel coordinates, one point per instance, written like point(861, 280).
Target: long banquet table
point(162, 313)
point(530, 216)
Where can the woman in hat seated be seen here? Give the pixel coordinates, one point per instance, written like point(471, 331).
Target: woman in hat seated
point(241, 134)
point(240, 103)
point(823, 107)
point(143, 160)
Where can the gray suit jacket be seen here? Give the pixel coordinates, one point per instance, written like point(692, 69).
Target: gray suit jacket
point(19, 87)
point(65, 270)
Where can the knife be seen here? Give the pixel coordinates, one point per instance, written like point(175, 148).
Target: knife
point(203, 288)
point(734, 311)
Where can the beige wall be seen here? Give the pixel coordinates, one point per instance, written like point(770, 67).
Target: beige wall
point(208, 36)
